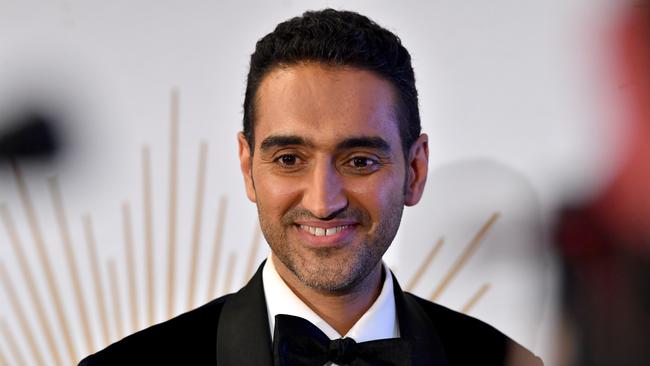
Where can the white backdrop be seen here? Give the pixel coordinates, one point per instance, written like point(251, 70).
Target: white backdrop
point(510, 96)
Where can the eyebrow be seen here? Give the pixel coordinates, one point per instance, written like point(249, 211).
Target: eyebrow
point(372, 142)
point(282, 141)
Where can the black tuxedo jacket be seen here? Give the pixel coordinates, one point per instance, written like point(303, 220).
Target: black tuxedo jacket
point(233, 330)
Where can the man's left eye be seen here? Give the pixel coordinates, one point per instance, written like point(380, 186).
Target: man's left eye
point(362, 162)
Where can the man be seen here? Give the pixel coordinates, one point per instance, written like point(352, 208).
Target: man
point(330, 153)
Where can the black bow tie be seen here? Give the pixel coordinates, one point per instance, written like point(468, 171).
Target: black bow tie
point(296, 341)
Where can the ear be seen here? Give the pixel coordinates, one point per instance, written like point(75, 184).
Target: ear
point(246, 166)
point(417, 166)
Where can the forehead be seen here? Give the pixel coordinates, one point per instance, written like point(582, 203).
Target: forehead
point(326, 104)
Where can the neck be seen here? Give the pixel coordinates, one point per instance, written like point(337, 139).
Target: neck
point(340, 310)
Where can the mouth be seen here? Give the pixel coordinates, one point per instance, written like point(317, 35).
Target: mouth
point(325, 236)
point(321, 231)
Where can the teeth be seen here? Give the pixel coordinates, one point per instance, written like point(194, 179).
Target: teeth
point(319, 231)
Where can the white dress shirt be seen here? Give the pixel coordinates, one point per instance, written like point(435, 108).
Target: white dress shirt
point(378, 322)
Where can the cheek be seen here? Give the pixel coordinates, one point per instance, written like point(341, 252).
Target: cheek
point(376, 194)
point(275, 194)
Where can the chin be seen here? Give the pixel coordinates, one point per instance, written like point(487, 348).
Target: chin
point(338, 276)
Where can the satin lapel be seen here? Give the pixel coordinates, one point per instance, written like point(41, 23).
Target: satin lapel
point(416, 327)
point(243, 335)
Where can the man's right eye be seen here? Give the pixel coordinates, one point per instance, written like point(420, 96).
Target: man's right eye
point(287, 160)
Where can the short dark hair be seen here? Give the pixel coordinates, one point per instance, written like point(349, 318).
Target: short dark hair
point(337, 38)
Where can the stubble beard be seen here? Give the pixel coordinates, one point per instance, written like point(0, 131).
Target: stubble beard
point(325, 269)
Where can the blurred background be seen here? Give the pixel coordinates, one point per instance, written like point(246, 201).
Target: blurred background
point(122, 204)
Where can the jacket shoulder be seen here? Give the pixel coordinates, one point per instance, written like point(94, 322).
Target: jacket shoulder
point(467, 340)
point(189, 338)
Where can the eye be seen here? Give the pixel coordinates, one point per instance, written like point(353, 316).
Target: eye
point(287, 160)
point(362, 164)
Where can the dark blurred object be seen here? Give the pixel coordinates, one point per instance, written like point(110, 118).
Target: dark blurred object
point(606, 291)
point(32, 135)
point(605, 243)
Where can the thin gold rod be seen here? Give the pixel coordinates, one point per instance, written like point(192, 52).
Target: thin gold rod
point(3, 359)
point(97, 281)
point(423, 267)
point(130, 264)
point(198, 216)
point(115, 294)
point(230, 271)
point(22, 319)
point(11, 341)
point(467, 253)
point(253, 253)
point(475, 299)
point(44, 259)
point(31, 286)
point(173, 193)
point(148, 232)
point(216, 249)
point(57, 201)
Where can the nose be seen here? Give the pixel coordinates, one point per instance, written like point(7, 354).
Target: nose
point(324, 195)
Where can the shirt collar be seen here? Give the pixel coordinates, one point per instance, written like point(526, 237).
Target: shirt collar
point(378, 322)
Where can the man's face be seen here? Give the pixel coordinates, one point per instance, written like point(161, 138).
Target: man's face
point(328, 173)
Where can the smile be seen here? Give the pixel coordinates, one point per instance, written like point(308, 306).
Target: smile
point(320, 231)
